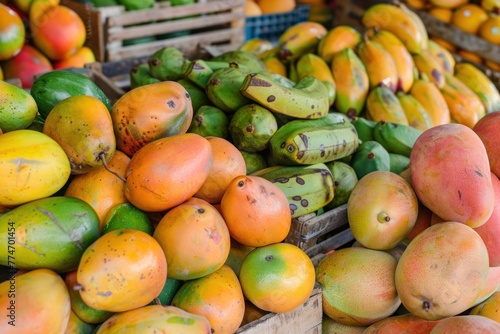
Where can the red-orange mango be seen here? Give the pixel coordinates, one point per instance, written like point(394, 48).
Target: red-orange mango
point(406, 323)
point(450, 174)
point(487, 128)
point(25, 65)
point(490, 231)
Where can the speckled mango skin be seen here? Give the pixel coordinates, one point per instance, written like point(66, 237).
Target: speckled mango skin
point(155, 319)
point(122, 270)
point(49, 233)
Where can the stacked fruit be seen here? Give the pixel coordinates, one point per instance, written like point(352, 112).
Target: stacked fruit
point(73, 181)
point(38, 36)
point(479, 18)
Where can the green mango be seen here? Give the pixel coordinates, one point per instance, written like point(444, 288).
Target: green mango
point(251, 128)
point(398, 162)
point(369, 157)
point(168, 63)
point(254, 161)
point(210, 121)
point(198, 96)
point(140, 76)
point(136, 4)
point(51, 233)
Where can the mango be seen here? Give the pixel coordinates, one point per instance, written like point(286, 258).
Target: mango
point(450, 174)
point(471, 324)
point(382, 219)
point(155, 319)
point(358, 285)
point(442, 271)
point(404, 323)
point(51, 233)
point(487, 129)
point(17, 107)
point(36, 302)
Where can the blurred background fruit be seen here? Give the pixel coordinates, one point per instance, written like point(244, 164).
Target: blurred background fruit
point(12, 33)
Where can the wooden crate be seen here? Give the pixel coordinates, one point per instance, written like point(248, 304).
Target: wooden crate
point(319, 234)
point(306, 319)
point(211, 22)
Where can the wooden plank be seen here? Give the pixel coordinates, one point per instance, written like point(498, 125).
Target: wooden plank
point(172, 26)
point(184, 43)
point(306, 230)
point(306, 319)
point(151, 15)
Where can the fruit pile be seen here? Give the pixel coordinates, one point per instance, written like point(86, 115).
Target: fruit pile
point(479, 18)
point(39, 36)
point(167, 209)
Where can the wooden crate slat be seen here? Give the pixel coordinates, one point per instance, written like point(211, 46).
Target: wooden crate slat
point(306, 319)
point(184, 43)
point(319, 251)
point(172, 26)
point(151, 15)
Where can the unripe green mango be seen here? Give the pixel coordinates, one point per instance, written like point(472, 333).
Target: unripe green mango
point(51, 233)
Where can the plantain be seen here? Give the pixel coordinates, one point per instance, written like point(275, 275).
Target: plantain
point(396, 138)
point(299, 39)
point(337, 39)
point(256, 45)
point(431, 98)
point(312, 64)
point(480, 84)
point(307, 99)
point(379, 64)
point(405, 66)
point(199, 71)
point(383, 105)
point(416, 114)
point(464, 105)
point(307, 188)
point(305, 142)
point(399, 20)
point(426, 63)
point(352, 82)
point(443, 56)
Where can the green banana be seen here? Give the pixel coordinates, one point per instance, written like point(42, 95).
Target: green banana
point(198, 96)
point(307, 188)
point(398, 162)
point(369, 157)
point(306, 142)
point(308, 99)
point(199, 71)
point(396, 138)
point(364, 128)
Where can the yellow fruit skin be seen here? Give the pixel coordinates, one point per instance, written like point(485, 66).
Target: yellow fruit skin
point(416, 114)
point(379, 64)
point(443, 55)
point(398, 20)
point(382, 104)
point(337, 39)
point(352, 82)
point(490, 308)
point(480, 84)
point(427, 64)
point(155, 319)
point(314, 65)
point(431, 98)
point(448, 3)
point(464, 105)
point(300, 39)
point(32, 166)
point(19, 108)
point(405, 66)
